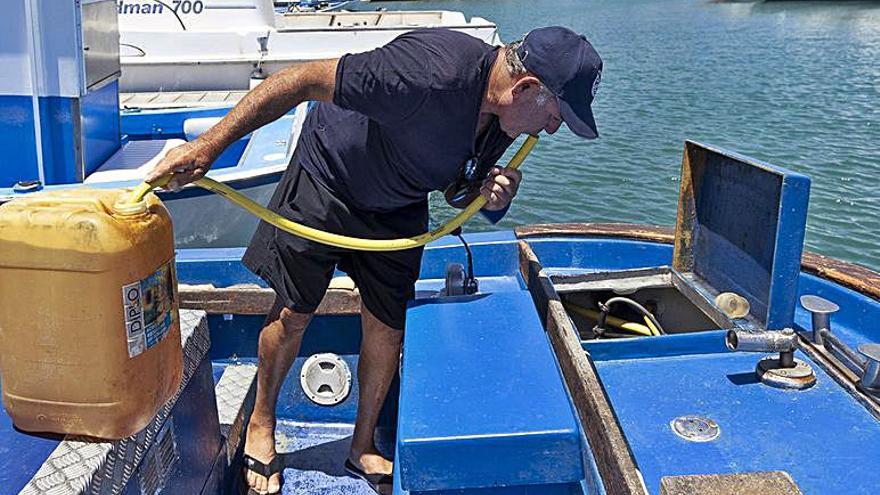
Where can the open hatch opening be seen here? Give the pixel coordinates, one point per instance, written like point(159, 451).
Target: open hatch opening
point(676, 306)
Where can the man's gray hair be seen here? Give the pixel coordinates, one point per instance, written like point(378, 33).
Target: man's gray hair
point(514, 65)
point(516, 69)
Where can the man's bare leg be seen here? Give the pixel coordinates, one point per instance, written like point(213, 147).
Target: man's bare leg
point(279, 344)
point(380, 355)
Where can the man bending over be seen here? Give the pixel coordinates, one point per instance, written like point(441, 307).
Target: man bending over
point(431, 108)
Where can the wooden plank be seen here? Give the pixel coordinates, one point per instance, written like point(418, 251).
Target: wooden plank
point(653, 233)
point(615, 461)
point(850, 275)
point(855, 277)
point(683, 249)
point(253, 300)
point(760, 483)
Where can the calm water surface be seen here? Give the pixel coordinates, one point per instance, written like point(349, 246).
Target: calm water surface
point(796, 84)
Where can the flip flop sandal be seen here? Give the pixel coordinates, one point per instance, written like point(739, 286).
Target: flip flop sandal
point(276, 465)
point(375, 481)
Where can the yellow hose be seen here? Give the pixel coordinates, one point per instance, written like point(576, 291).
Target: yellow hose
point(651, 326)
point(611, 320)
point(338, 240)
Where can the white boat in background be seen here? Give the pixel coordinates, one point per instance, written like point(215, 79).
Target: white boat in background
point(211, 45)
point(60, 124)
point(185, 63)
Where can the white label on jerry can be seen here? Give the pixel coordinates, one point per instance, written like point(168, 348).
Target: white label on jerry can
point(148, 306)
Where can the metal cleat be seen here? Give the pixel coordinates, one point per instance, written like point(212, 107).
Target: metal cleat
point(865, 363)
point(821, 309)
point(870, 381)
point(782, 371)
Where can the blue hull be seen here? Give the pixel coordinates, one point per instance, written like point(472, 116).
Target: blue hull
point(648, 381)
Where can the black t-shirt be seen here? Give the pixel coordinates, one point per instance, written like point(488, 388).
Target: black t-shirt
point(403, 120)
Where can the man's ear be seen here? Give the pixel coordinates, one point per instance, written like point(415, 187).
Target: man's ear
point(524, 84)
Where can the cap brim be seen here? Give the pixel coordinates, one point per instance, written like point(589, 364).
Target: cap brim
point(580, 123)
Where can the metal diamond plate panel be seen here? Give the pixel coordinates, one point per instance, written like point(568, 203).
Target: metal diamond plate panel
point(235, 395)
point(80, 466)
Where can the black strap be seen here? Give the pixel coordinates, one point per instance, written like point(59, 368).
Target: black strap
point(261, 468)
point(374, 480)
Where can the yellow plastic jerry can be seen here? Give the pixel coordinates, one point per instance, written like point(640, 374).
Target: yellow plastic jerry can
point(89, 325)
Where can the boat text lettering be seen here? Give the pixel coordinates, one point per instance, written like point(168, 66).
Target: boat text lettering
point(159, 7)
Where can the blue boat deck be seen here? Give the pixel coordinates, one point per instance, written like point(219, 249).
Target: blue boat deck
point(313, 440)
point(648, 381)
point(314, 455)
point(762, 428)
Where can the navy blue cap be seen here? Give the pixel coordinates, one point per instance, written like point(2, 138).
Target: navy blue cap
point(568, 66)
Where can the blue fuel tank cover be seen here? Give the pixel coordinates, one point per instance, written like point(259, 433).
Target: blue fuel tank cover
point(740, 228)
point(482, 402)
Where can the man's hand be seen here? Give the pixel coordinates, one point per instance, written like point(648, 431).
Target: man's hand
point(500, 187)
point(187, 162)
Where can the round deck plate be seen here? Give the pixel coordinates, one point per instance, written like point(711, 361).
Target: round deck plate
point(325, 379)
point(695, 428)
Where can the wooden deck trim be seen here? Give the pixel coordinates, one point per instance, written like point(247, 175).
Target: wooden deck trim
point(856, 277)
point(616, 464)
point(763, 483)
point(849, 275)
point(653, 233)
point(253, 300)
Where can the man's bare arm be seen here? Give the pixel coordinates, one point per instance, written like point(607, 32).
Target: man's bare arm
point(267, 102)
point(273, 98)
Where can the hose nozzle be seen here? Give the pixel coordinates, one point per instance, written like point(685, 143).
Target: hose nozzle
point(138, 193)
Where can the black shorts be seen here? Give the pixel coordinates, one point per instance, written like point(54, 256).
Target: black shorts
point(300, 270)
